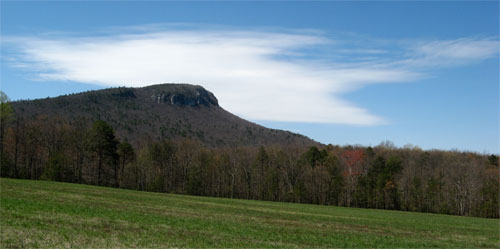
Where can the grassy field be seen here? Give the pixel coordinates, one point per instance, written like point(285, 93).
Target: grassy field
point(50, 214)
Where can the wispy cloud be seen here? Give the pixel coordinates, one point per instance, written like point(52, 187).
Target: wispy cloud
point(259, 75)
point(452, 52)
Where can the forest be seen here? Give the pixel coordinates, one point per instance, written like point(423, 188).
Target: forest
point(381, 177)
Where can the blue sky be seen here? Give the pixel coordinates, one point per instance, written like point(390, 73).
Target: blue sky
point(421, 73)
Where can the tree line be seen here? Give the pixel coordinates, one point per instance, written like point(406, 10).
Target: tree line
point(383, 177)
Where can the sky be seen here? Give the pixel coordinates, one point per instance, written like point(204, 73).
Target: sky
point(359, 73)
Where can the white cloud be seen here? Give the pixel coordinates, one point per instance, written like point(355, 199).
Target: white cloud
point(245, 70)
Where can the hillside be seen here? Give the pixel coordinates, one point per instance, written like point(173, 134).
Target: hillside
point(71, 215)
point(165, 111)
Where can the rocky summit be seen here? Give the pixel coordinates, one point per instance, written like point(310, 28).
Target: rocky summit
point(183, 95)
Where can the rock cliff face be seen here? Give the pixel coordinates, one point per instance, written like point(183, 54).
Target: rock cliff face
point(183, 95)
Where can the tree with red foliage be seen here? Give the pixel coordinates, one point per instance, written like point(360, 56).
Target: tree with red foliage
point(353, 161)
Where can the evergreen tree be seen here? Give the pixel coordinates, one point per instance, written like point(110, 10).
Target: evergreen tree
point(103, 144)
point(6, 113)
point(126, 155)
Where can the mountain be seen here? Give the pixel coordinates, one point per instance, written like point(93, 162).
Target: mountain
point(164, 111)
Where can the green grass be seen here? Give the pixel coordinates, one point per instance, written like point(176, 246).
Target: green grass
point(50, 214)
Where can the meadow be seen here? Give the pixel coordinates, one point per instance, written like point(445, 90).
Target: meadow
point(52, 214)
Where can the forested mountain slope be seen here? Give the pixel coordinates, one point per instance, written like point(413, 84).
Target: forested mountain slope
point(165, 111)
